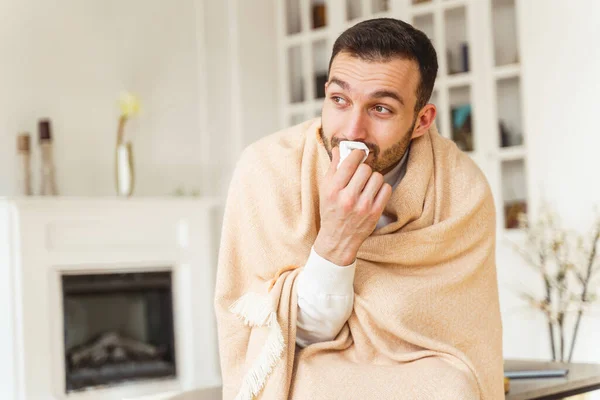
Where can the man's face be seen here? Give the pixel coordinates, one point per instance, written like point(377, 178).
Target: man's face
point(373, 103)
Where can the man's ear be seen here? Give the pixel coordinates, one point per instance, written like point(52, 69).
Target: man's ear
point(424, 120)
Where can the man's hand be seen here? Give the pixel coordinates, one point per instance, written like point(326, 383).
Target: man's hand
point(352, 198)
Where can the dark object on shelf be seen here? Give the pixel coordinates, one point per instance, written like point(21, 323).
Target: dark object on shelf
point(509, 138)
point(319, 16)
point(320, 81)
point(458, 63)
point(24, 164)
point(537, 373)
point(48, 176)
point(44, 129)
point(464, 51)
point(504, 135)
point(512, 210)
point(462, 130)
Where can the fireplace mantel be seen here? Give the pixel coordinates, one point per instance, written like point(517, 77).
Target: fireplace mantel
point(43, 238)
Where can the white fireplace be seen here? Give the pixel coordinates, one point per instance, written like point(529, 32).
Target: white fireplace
point(105, 298)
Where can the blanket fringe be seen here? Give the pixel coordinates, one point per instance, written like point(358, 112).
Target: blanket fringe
point(256, 310)
point(253, 308)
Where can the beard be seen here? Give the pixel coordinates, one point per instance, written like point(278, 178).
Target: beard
point(381, 162)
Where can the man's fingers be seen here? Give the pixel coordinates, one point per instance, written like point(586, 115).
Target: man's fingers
point(382, 197)
point(360, 179)
point(335, 159)
point(373, 185)
point(348, 168)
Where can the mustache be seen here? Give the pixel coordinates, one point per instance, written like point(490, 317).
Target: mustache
point(373, 148)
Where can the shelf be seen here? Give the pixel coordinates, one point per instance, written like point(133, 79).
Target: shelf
point(457, 47)
point(296, 86)
point(321, 54)
point(299, 38)
point(458, 80)
point(423, 8)
point(425, 24)
point(381, 14)
point(512, 153)
point(507, 71)
point(292, 13)
point(514, 191)
point(319, 33)
point(478, 100)
point(319, 14)
point(461, 118)
point(508, 93)
point(350, 24)
point(449, 4)
point(380, 7)
point(504, 25)
point(429, 7)
point(353, 10)
point(360, 10)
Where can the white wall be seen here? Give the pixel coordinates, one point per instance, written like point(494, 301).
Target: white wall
point(258, 69)
point(561, 85)
point(241, 68)
point(68, 60)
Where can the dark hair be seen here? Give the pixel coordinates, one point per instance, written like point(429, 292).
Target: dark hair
point(382, 39)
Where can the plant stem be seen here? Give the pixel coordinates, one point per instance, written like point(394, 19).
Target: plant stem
point(550, 327)
point(561, 325)
point(542, 264)
point(584, 291)
point(575, 330)
point(121, 129)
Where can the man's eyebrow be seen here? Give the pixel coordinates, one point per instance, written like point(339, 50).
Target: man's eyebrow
point(387, 93)
point(378, 94)
point(340, 83)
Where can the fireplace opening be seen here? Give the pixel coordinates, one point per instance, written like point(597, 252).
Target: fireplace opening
point(117, 328)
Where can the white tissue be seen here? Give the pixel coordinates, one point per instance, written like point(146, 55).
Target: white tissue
point(346, 148)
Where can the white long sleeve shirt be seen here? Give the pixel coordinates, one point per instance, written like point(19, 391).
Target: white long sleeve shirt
point(326, 290)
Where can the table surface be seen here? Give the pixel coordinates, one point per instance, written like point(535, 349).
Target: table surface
point(580, 379)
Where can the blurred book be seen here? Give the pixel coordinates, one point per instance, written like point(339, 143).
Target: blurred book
point(528, 369)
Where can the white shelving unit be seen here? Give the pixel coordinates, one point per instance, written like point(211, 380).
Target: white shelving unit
point(477, 91)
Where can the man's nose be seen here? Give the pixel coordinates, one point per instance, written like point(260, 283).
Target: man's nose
point(356, 129)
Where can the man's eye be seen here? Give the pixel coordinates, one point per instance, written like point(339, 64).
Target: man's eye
point(382, 110)
point(338, 100)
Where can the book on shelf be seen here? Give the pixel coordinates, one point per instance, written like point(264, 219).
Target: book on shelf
point(528, 369)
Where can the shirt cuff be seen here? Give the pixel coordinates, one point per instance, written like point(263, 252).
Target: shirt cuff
point(323, 277)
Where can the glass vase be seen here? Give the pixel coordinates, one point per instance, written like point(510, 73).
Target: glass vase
point(124, 171)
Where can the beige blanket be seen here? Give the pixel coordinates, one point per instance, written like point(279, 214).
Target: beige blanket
point(426, 321)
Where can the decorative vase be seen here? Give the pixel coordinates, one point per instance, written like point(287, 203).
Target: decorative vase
point(124, 170)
